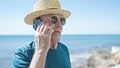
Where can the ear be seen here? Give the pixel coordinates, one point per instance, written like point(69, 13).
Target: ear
point(36, 23)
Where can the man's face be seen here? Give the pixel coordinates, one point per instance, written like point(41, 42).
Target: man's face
point(57, 26)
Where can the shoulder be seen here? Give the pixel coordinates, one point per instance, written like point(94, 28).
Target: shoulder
point(23, 56)
point(63, 46)
point(25, 51)
point(26, 48)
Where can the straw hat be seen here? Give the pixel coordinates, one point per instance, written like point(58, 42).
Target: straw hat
point(44, 7)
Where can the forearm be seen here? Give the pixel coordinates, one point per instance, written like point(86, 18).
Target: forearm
point(42, 45)
point(38, 60)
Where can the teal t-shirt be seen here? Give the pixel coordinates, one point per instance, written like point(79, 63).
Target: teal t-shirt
point(56, 58)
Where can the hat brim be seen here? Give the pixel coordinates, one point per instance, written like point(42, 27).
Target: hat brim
point(30, 17)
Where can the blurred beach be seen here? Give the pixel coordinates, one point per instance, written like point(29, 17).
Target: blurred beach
point(79, 46)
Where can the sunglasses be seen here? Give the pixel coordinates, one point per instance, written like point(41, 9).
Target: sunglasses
point(53, 20)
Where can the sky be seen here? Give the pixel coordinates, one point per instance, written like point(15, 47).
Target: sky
point(87, 17)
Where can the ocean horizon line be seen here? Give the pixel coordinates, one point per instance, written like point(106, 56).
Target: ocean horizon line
point(61, 34)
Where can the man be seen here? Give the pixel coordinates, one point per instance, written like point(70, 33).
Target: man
point(45, 51)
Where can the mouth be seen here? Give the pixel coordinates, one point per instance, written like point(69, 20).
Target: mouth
point(56, 32)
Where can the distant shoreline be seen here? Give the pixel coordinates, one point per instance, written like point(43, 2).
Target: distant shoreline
point(62, 34)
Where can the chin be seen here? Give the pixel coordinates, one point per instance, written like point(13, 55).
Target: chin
point(55, 38)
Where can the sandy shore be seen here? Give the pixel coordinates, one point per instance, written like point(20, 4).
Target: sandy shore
point(99, 58)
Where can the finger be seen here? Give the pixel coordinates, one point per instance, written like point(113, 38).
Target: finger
point(51, 30)
point(40, 29)
point(45, 30)
point(37, 32)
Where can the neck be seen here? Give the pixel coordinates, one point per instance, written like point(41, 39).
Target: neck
point(53, 45)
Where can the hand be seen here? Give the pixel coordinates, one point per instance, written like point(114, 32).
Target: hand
point(43, 37)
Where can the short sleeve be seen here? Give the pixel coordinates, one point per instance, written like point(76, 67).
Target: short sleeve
point(20, 60)
point(23, 56)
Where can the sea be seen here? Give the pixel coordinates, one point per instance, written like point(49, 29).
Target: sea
point(78, 45)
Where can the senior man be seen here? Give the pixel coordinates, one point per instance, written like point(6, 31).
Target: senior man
point(45, 51)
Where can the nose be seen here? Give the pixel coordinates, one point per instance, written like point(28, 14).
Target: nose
point(58, 24)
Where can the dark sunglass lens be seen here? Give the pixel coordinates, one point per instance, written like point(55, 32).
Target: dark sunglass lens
point(54, 19)
point(63, 21)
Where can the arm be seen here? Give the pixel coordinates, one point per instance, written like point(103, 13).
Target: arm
point(38, 60)
point(42, 44)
